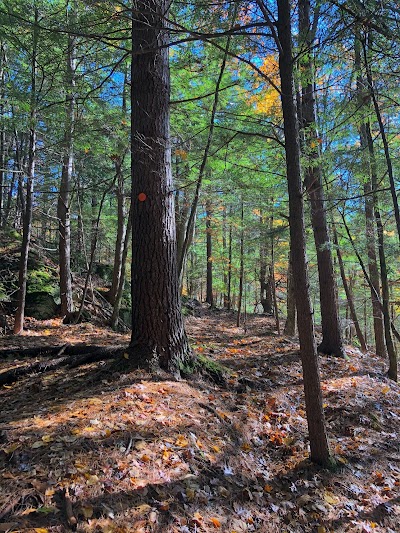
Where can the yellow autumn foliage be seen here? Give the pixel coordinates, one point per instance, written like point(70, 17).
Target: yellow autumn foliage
point(267, 101)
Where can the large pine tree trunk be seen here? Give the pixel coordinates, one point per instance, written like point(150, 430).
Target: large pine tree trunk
point(63, 206)
point(158, 335)
point(312, 388)
point(331, 332)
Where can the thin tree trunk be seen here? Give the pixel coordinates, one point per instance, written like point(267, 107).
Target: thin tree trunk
point(229, 294)
point(290, 324)
point(272, 276)
point(27, 218)
point(331, 331)
point(63, 206)
point(390, 348)
point(241, 273)
point(312, 388)
point(209, 280)
point(3, 61)
point(225, 267)
point(384, 138)
point(349, 295)
point(192, 216)
point(118, 296)
point(121, 231)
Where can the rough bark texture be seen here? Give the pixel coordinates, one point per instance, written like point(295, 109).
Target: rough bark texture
point(331, 331)
point(312, 387)
point(158, 335)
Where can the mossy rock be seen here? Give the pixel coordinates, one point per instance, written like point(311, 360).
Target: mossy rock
point(40, 305)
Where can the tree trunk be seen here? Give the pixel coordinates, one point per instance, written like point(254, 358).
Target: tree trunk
point(272, 275)
point(27, 218)
point(390, 348)
point(121, 230)
point(266, 288)
point(312, 388)
point(331, 332)
point(224, 249)
point(290, 324)
point(382, 131)
point(158, 335)
point(209, 281)
point(118, 296)
point(241, 273)
point(349, 295)
point(3, 61)
point(63, 206)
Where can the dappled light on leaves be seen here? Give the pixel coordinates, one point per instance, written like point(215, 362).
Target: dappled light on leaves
point(187, 456)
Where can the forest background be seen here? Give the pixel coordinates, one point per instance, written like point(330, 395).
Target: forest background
point(64, 147)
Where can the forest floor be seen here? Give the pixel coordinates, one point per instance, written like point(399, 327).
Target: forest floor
point(82, 449)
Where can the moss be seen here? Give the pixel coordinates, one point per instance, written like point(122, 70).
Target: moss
point(42, 280)
point(205, 366)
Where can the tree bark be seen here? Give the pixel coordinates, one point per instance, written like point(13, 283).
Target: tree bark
point(349, 295)
point(158, 335)
point(241, 272)
point(121, 230)
point(27, 218)
point(290, 324)
point(332, 342)
point(312, 388)
point(209, 280)
point(63, 206)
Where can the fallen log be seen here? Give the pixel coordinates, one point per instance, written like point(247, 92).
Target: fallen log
point(90, 355)
point(70, 349)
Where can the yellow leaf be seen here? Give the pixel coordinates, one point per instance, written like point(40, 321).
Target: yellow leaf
point(181, 441)
point(385, 389)
point(246, 447)
point(145, 458)
point(11, 448)
point(330, 498)
point(126, 355)
point(321, 529)
point(197, 518)
point(268, 488)
point(47, 438)
point(91, 480)
point(215, 522)
point(29, 510)
point(41, 530)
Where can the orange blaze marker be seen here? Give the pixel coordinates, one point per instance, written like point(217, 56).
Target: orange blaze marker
point(142, 197)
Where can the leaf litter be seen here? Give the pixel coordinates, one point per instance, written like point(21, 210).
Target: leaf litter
point(141, 453)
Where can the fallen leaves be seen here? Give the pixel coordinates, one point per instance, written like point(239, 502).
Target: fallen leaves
point(134, 450)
